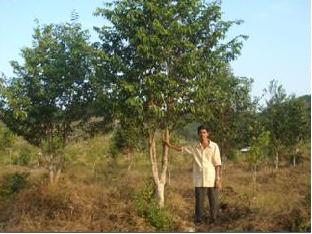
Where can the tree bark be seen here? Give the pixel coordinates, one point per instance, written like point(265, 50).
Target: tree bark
point(161, 194)
point(161, 186)
point(51, 175)
point(153, 156)
point(160, 181)
point(57, 175)
point(255, 174)
point(55, 165)
point(276, 161)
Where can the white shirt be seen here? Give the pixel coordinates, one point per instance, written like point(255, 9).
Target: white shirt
point(204, 162)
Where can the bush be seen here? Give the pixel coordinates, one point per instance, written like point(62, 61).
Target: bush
point(23, 158)
point(7, 138)
point(12, 184)
point(300, 221)
point(147, 207)
point(234, 155)
point(127, 137)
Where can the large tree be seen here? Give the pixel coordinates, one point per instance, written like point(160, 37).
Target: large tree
point(163, 56)
point(51, 89)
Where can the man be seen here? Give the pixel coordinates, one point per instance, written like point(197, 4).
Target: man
point(206, 172)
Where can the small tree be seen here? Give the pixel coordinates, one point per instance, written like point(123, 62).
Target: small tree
point(297, 129)
point(273, 116)
point(287, 120)
point(258, 152)
point(6, 137)
point(51, 90)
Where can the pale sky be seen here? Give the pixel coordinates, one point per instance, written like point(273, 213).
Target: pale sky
point(278, 46)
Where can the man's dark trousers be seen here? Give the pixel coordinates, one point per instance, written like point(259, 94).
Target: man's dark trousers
point(212, 194)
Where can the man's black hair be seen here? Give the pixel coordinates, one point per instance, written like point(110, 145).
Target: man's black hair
point(201, 127)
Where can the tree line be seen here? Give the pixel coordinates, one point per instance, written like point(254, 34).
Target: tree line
point(157, 66)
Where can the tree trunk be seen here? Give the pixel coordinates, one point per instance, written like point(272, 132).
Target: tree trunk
point(254, 178)
point(255, 174)
point(55, 165)
point(160, 182)
point(51, 175)
point(276, 161)
point(153, 156)
point(294, 160)
point(161, 186)
point(54, 175)
point(57, 175)
point(296, 153)
point(161, 194)
point(169, 175)
point(130, 158)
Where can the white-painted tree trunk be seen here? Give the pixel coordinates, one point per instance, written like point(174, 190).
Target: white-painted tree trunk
point(160, 181)
point(276, 161)
point(55, 166)
point(255, 174)
point(294, 160)
point(161, 194)
point(51, 176)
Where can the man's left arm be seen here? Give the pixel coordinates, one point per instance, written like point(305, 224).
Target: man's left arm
point(217, 162)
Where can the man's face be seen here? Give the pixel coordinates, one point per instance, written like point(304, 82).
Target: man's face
point(203, 134)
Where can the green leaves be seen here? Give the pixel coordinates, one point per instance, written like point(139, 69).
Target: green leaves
point(52, 88)
point(286, 118)
point(259, 148)
point(169, 52)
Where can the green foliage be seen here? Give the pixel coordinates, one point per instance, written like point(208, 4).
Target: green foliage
point(52, 88)
point(52, 145)
point(164, 58)
point(7, 138)
point(147, 207)
point(12, 183)
point(259, 148)
point(127, 138)
point(232, 119)
point(234, 155)
point(189, 131)
point(300, 219)
point(286, 118)
point(23, 158)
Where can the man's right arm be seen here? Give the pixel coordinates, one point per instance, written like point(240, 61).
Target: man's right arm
point(175, 147)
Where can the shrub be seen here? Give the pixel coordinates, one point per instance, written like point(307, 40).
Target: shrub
point(12, 184)
point(127, 137)
point(300, 221)
point(23, 158)
point(7, 138)
point(147, 207)
point(234, 155)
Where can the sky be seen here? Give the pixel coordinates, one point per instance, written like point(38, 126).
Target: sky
point(278, 46)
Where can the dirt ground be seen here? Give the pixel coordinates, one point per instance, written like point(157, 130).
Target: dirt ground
point(102, 197)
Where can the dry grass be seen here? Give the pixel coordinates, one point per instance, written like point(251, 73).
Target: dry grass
point(99, 197)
